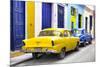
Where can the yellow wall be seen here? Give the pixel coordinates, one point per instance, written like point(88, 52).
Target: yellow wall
point(81, 21)
point(30, 18)
point(73, 19)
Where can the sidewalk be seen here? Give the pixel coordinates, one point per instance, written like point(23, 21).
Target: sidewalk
point(94, 42)
point(16, 53)
point(18, 59)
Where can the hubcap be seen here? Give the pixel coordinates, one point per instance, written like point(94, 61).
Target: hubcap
point(62, 54)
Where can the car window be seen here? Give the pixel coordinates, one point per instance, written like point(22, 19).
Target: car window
point(83, 31)
point(78, 32)
point(70, 34)
point(50, 33)
point(65, 34)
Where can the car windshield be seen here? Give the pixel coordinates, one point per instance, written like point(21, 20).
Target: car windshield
point(50, 33)
point(78, 31)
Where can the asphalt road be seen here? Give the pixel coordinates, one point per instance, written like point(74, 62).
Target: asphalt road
point(85, 54)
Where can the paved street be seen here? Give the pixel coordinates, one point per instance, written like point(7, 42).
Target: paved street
point(85, 54)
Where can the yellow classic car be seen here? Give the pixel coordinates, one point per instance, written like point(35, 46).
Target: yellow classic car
point(51, 40)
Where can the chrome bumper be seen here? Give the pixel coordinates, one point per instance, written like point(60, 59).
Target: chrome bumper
point(40, 51)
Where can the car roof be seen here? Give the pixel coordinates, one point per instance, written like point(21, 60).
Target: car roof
point(59, 29)
point(79, 29)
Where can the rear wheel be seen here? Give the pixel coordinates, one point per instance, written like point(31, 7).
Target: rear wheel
point(62, 54)
point(90, 42)
point(35, 55)
point(84, 44)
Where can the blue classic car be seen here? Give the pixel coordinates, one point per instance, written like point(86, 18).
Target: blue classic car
point(83, 35)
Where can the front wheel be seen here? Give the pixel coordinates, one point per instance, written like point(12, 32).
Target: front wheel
point(61, 55)
point(77, 48)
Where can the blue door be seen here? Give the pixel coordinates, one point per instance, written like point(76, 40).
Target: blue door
point(86, 23)
point(60, 16)
point(90, 22)
point(17, 24)
point(46, 15)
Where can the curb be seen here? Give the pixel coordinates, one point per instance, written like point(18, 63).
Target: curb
point(19, 59)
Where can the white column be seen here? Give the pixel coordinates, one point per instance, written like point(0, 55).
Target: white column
point(88, 23)
point(65, 17)
point(54, 15)
point(38, 17)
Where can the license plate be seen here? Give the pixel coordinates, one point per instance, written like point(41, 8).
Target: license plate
point(38, 50)
point(29, 50)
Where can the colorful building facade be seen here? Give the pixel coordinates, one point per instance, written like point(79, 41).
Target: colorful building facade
point(36, 16)
point(89, 20)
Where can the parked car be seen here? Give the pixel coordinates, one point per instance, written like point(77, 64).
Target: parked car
point(83, 35)
point(51, 40)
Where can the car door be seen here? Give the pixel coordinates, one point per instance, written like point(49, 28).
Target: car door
point(72, 41)
point(87, 37)
point(68, 42)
